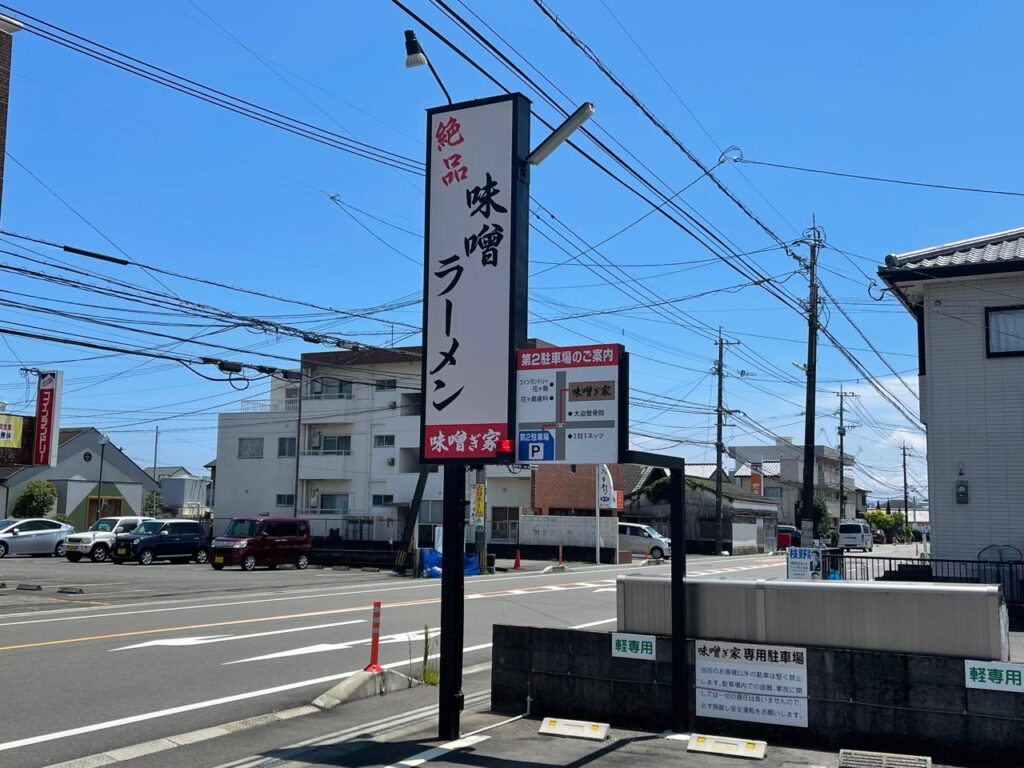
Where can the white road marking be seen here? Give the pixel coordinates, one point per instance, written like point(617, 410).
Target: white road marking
point(604, 589)
point(142, 717)
point(594, 623)
point(402, 637)
point(444, 749)
point(92, 612)
point(189, 641)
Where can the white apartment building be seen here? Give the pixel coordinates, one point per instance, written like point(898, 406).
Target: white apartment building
point(782, 476)
point(968, 300)
point(352, 465)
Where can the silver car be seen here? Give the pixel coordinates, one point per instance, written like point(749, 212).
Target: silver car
point(33, 536)
point(644, 540)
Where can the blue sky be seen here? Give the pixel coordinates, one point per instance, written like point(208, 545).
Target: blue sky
point(911, 90)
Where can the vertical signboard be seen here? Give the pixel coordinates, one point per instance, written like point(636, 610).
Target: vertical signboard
point(479, 505)
point(475, 270)
point(47, 418)
point(757, 478)
point(606, 497)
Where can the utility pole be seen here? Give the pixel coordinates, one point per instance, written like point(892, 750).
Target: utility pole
point(8, 27)
point(719, 445)
point(807, 495)
point(842, 452)
point(156, 442)
point(906, 506)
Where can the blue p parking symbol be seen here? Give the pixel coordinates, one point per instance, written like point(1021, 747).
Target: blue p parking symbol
point(536, 445)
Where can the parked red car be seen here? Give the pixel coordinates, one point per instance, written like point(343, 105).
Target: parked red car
point(269, 541)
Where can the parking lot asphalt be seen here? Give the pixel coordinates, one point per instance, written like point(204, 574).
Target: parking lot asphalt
point(489, 740)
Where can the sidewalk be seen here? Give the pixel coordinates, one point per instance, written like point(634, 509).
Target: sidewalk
point(493, 741)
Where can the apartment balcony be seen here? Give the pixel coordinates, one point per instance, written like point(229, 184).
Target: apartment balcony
point(327, 465)
point(288, 405)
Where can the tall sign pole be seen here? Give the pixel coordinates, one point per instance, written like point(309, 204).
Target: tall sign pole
point(8, 27)
point(474, 318)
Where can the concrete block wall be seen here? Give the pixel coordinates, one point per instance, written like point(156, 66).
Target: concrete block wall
point(857, 699)
point(567, 530)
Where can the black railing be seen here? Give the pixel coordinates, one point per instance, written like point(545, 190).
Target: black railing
point(858, 568)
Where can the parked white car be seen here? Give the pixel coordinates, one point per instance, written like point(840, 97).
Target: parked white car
point(33, 536)
point(97, 542)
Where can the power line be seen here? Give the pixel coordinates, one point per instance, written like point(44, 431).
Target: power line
point(882, 179)
point(210, 95)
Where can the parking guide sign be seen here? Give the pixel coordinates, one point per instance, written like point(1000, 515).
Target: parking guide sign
point(570, 404)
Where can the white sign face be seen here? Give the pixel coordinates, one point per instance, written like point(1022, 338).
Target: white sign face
point(605, 488)
point(755, 683)
point(994, 676)
point(777, 710)
point(469, 277)
point(803, 563)
point(629, 646)
point(567, 409)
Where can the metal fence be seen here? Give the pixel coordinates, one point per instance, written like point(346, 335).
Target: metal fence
point(859, 568)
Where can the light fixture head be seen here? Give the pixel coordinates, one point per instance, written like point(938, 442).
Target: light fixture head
point(414, 55)
point(561, 134)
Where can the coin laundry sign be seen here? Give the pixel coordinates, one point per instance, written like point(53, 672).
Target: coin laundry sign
point(474, 313)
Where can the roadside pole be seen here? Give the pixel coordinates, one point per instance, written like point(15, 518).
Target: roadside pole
point(597, 513)
point(453, 589)
point(680, 662)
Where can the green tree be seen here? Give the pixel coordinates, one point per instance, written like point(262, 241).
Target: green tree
point(883, 521)
point(657, 491)
point(37, 500)
point(152, 504)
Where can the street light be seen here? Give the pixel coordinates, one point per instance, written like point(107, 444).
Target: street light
point(99, 490)
point(415, 57)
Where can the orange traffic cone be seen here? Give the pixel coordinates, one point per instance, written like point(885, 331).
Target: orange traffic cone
point(517, 566)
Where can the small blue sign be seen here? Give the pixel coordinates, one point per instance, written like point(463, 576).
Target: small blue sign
point(536, 445)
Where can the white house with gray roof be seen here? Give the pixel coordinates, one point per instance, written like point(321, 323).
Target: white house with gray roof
point(968, 300)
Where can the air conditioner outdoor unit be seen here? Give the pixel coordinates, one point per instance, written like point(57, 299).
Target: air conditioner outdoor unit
point(391, 461)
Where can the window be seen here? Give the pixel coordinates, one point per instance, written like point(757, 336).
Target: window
point(383, 385)
point(337, 444)
point(282, 528)
point(505, 523)
point(335, 389)
point(1004, 331)
point(383, 441)
point(285, 500)
point(285, 446)
point(772, 492)
point(333, 503)
point(250, 447)
point(380, 499)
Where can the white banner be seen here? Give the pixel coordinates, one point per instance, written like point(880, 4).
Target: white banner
point(470, 275)
point(605, 488)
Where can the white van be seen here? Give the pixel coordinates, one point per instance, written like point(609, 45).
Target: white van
point(856, 534)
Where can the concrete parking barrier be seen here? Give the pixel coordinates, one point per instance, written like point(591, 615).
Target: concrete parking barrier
point(71, 590)
point(31, 587)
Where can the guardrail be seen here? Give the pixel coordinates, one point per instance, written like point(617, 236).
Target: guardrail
point(859, 568)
